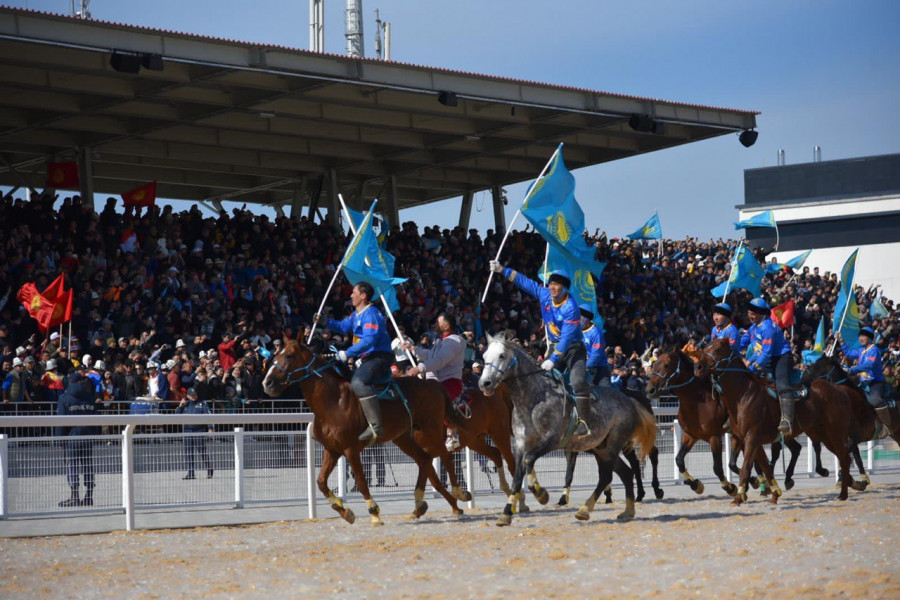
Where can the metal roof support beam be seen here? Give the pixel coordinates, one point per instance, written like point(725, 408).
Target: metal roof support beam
point(86, 175)
point(390, 210)
point(465, 210)
point(297, 200)
point(499, 212)
point(334, 209)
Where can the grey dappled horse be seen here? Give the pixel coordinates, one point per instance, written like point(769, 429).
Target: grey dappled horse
point(542, 422)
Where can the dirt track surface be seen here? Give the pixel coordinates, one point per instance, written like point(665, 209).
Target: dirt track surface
point(809, 545)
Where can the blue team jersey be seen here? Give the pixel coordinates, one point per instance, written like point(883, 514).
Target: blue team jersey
point(563, 319)
point(369, 331)
point(868, 362)
point(595, 346)
point(731, 332)
point(765, 341)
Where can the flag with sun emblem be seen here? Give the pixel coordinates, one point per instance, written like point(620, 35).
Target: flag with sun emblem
point(144, 195)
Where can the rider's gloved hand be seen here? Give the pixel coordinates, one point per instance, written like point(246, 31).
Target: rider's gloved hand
point(342, 356)
point(495, 266)
point(547, 365)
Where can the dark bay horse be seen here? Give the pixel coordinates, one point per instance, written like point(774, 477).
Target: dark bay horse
point(339, 420)
point(824, 415)
point(542, 421)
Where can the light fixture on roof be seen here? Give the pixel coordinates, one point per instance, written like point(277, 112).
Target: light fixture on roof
point(152, 62)
point(266, 115)
point(131, 62)
point(644, 124)
point(448, 98)
point(748, 138)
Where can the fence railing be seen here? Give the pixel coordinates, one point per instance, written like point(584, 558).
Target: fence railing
point(144, 471)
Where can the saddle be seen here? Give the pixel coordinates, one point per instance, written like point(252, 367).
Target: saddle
point(800, 391)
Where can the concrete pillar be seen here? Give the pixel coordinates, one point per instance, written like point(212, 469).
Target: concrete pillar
point(334, 205)
point(499, 212)
point(314, 199)
point(390, 208)
point(297, 200)
point(86, 176)
point(465, 210)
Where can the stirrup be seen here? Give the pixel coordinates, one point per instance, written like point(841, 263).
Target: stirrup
point(587, 430)
point(785, 431)
point(370, 435)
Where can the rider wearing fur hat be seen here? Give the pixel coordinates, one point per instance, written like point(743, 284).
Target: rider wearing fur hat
point(771, 353)
point(563, 319)
point(868, 367)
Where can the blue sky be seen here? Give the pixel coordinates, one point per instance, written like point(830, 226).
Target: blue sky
point(821, 72)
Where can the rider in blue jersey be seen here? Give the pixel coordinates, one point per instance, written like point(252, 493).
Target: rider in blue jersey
point(724, 328)
point(563, 321)
point(771, 353)
point(595, 345)
point(868, 367)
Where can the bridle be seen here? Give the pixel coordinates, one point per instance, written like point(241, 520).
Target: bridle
point(305, 372)
point(667, 381)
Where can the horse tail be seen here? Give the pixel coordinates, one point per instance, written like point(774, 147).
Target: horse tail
point(645, 431)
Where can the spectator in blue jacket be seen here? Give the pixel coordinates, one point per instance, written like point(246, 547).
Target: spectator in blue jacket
point(191, 405)
point(771, 354)
point(78, 399)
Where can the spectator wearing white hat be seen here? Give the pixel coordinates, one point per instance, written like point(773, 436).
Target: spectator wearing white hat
point(157, 383)
point(52, 382)
point(15, 385)
point(173, 375)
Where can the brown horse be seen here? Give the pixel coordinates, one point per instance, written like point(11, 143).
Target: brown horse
point(824, 415)
point(418, 431)
point(489, 416)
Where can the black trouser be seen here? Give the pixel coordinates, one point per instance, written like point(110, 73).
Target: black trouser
point(575, 360)
point(374, 368)
point(875, 394)
point(192, 444)
point(81, 462)
point(599, 375)
point(781, 368)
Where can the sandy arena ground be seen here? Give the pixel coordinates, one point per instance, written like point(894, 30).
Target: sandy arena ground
point(809, 545)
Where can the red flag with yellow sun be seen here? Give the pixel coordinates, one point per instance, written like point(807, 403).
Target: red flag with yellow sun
point(143, 195)
point(63, 175)
point(49, 308)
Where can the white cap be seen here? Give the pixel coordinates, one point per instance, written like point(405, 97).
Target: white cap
point(51, 364)
point(20, 350)
point(54, 336)
point(100, 365)
point(17, 361)
point(87, 359)
point(152, 364)
point(202, 354)
point(179, 344)
point(169, 364)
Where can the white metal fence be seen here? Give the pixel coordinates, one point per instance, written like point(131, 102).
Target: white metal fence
point(268, 464)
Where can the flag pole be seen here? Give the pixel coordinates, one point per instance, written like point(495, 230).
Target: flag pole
point(844, 314)
point(384, 302)
point(333, 279)
point(513, 222)
point(776, 234)
point(733, 263)
point(546, 268)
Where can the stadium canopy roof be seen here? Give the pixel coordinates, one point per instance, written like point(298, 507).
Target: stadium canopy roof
point(264, 124)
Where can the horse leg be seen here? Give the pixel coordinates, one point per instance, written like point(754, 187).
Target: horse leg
point(715, 446)
point(795, 448)
point(773, 489)
point(634, 463)
point(864, 481)
point(750, 447)
point(543, 447)
point(605, 471)
point(516, 489)
point(687, 443)
point(732, 464)
point(820, 470)
point(571, 457)
point(654, 464)
point(329, 461)
point(362, 483)
point(481, 446)
point(423, 461)
point(450, 464)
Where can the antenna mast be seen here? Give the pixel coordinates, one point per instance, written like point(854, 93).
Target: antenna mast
point(353, 29)
point(80, 9)
point(317, 25)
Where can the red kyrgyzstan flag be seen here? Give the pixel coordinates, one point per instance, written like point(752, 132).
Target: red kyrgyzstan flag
point(37, 306)
point(783, 314)
point(63, 175)
point(143, 195)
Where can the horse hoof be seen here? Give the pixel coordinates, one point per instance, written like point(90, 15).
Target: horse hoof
point(524, 509)
point(563, 500)
point(865, 478)
point(639, 497)
point(788, 484)
point(823, 472)
point(583, 514)
point(420, 509)
point(842, 496)
point(349, 516)
point(754, 483)
point(774, 499)
point(376, 521)
point(729, 488)
point(457, 512)
point(504, 520)
point(625, 515)
point(608, 499)
point(859, 486)
point(542, 496)
point(464, 496)
point(697, 486)
point(659, 493)
point(764, 492)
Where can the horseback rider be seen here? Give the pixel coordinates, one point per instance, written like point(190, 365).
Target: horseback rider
point(595, 346)
point(372, 345)
point(868, 367)
point(724, 328)
point(443, 362)
point(772, 354)
point(563, 318)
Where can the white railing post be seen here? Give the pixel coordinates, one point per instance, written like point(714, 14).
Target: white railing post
point(470, 476)
point(837, 468)
point(4, 476)
point(128, 475)
point(239, 467)
point(870, 456)
point(342, 477)
point(436, 463)
point(810, 459)
point(310, 472)
point(676, 447)
point(727, 458)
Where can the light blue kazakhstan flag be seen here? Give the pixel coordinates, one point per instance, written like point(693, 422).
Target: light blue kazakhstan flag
point(846, 311)
point(582, 289)
point(795, 263)
point(552, 210)
point(378, 270)
point(651, 230)
point(877, 310)
point(746, 274)
point(811, 356)
point(763, 219)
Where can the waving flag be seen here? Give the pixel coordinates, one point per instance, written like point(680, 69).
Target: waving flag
point(582, 289)
point(651, 230)
point(846, 311)
point(143, 195)
point(783, 314)
point(746, 274)
point(378, 270)
point(877, 310)
point(811, 356)
point(552, 210)
point(63, 175)
point(795, 263)
point(763, 219)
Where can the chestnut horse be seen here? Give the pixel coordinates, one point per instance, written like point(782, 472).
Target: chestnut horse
point(418, 431)
point(824, 415)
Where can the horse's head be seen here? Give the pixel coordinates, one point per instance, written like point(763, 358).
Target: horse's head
point(827, 368)
point(287, 367)
point(713, 357)
point(499, 358)
point(670, 371)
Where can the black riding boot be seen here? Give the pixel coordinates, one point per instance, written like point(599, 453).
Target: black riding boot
point(372, 409)
point(884, 414)
point(584, 412)
point(88, 497)
point(787, 413)
point(73, 500)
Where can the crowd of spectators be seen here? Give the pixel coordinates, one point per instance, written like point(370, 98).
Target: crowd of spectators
point(165, 301)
